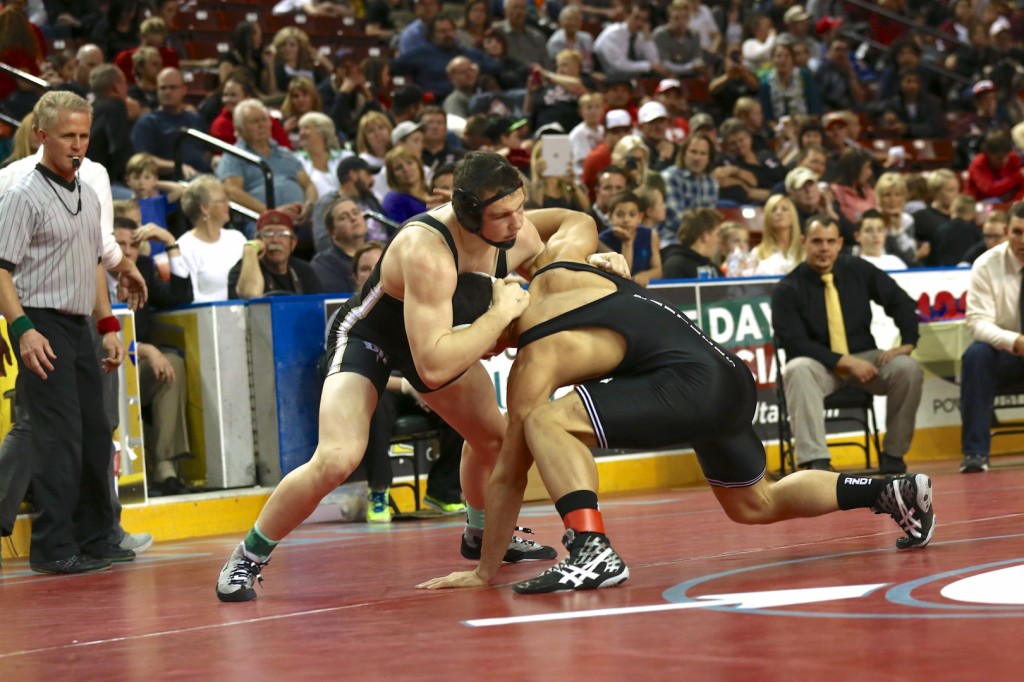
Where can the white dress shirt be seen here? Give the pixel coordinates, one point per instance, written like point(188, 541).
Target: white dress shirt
point(582, 140)
point(886, 262)
point(612, 46)
point(993, 298)
point(702, 22)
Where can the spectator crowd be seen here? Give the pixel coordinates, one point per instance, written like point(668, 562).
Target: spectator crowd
point(703, 137)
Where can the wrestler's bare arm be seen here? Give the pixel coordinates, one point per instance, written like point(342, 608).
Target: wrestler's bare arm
point(569, 235)
point(428, 278)
point(529, 385)
point(550, 221)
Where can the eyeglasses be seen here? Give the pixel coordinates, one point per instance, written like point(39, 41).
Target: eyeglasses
point(269, 234)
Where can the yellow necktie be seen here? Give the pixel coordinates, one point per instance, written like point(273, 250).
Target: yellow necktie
point(834, 313)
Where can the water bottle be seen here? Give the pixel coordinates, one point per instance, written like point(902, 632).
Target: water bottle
point(734, 264)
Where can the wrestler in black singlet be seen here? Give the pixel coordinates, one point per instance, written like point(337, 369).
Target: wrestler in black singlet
point(674, 385)
point(368, 335)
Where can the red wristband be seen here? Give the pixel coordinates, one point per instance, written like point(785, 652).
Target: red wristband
point(108, 325)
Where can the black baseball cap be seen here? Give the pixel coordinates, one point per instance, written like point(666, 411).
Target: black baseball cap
point(354, 163)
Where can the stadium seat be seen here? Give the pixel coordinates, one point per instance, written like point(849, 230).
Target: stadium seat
point(209, 48)
point(1004, 426)
point(847, 405)
point(417, 431)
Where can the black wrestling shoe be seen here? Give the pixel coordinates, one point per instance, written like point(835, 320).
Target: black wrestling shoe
point(76, 564)
point(907, 498)
point(520, 549)
point(591, 564)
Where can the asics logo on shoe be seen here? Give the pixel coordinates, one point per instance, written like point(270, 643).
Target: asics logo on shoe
point(575, 575)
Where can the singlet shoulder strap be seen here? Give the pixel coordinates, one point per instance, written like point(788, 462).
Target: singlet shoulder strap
point(501, 268)
point(580, 267)
point(442, 229)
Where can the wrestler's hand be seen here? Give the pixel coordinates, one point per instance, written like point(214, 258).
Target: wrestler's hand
point(614, 263)
point(516, 278)
point(457, 579)
point(509, 298)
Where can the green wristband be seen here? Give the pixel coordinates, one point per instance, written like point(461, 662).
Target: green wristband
point(21, 325)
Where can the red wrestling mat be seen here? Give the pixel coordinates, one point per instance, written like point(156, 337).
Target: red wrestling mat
point(707, 599)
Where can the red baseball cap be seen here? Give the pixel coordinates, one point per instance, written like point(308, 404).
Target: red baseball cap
point(826, 24)
point(275, 217)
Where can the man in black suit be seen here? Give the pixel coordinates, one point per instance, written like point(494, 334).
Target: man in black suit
point(821, 312)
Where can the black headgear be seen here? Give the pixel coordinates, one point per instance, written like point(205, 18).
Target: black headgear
point(470, 210)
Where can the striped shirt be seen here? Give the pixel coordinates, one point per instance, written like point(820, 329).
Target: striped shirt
point(51, 253)
point(92, 174)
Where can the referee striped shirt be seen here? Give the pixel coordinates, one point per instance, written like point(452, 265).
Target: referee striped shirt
point(51, 253)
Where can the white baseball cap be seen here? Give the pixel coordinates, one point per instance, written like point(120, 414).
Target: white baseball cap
point(667, 84)
point(617, 118)
point(404, 130)
point(798, 177)
point(651, 111)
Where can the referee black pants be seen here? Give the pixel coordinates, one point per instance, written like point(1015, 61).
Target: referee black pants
point(70, 441)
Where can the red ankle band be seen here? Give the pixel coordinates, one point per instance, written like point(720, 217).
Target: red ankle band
point(584, 521)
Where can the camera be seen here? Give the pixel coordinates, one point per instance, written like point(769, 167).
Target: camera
point(631, 163)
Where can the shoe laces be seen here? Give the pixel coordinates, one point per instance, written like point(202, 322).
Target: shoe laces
point(584, 560)
point(523, 541)
point(245, 570)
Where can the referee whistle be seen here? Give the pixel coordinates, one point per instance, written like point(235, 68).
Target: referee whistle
point(76, 162)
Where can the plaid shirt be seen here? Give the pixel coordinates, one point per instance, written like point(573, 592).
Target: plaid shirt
point(684, 190)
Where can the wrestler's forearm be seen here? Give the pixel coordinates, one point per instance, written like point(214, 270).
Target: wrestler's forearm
point(456, 352)
point(504, 496)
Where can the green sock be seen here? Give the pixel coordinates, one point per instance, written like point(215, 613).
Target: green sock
point(259, 544)
point(474, 517)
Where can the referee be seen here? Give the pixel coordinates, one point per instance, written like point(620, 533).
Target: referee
point(50, 245)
